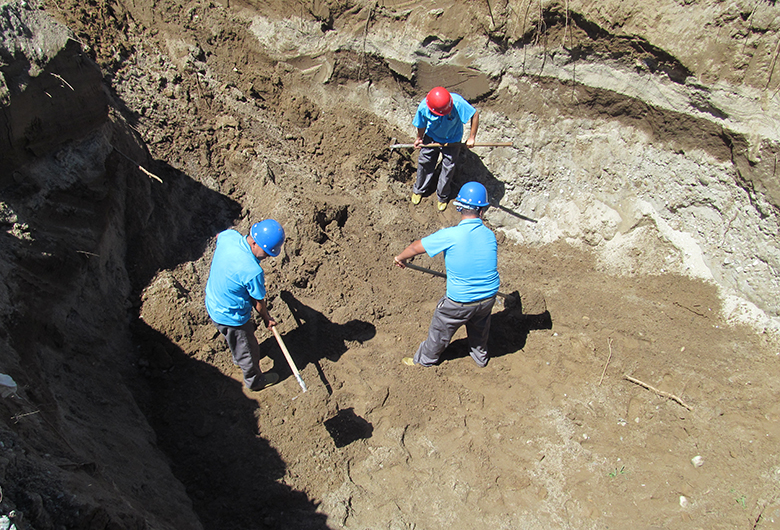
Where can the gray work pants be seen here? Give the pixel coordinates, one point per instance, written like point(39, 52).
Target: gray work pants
point(447, 318)
point(426, 168)
point(246, 351)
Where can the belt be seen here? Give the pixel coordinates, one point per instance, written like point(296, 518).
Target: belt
point(476, 302)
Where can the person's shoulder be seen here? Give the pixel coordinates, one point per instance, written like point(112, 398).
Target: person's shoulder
point(440, 232)
point(228, 234)
point(447, 231)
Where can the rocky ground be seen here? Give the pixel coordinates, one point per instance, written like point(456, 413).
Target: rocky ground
point(633, 385)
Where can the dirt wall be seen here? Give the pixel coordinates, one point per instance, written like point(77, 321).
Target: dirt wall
point(628, 222)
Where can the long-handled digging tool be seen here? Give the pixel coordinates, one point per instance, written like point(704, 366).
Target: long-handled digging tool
point(509, 298)
point(289, 359)
point(477, 144)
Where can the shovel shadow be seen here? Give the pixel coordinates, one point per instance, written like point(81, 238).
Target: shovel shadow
point(314, 338)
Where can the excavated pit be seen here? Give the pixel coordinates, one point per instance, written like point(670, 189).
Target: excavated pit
point(637, 219)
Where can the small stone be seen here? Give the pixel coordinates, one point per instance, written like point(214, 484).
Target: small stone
point(697, 461)
point(684, 502)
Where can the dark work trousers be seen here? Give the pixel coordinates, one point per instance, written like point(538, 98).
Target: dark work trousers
point(426, 169)
point(246, 351)
point(447, 318)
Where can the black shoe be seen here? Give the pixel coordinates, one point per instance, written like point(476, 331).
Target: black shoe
point(270, 379)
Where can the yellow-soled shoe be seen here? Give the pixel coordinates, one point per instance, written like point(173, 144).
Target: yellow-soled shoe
point(416, 198)
point(442, 206)
point(408, 361)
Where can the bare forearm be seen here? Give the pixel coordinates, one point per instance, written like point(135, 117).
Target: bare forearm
point(411, 251)
point(262, 308)
point(474, 128)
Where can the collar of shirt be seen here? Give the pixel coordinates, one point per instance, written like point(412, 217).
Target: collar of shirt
point(245, 246)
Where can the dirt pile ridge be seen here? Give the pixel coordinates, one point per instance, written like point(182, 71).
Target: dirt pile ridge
point(637, 218)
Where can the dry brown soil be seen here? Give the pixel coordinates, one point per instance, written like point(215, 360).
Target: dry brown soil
point(549, 435)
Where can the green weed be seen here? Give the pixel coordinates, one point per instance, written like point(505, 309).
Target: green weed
point(741, 500)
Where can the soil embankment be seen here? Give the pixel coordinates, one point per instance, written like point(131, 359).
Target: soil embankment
point(637, 215)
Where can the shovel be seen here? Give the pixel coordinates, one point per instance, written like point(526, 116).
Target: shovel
point(289, 359)
point(477, 144)
point(512, 297)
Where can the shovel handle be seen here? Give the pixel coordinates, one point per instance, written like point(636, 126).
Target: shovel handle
point(442, 275)
point(289, 359)
point(423, 269)
point(477, 144)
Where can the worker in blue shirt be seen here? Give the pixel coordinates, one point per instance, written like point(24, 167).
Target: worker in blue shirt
point(236, 284)
point(471, 260)
point(440, 119)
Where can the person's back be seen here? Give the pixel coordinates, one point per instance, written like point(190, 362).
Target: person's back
point(234, 271)
point(471, 259)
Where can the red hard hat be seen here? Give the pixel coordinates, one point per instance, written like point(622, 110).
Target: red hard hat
point(439, 101)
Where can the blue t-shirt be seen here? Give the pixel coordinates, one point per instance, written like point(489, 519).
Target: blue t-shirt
point(234, 280)
point(445, 129)
point(471, 259)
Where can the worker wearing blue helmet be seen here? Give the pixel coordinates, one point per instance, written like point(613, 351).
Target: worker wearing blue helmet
point(471, 259)
point(236, 284)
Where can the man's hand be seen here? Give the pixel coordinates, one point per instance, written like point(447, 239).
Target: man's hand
point(418, 141)
point(409, 252)
point(261, 306)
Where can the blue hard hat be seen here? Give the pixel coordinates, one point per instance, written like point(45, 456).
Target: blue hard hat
point(269, 235)
point(472, 195)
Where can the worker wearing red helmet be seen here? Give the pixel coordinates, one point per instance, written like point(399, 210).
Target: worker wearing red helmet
point(440, 119)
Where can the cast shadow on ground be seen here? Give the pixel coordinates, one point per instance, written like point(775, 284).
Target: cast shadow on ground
point(346, 427)
point(471, 168)
point(173, 222)
point(203, 420)
point(313, 338)
point(208, 428)
point(509, 329)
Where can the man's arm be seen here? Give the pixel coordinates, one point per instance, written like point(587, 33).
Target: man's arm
point(420, 135)
point(262, 308)
point(474, 128)
point(409, 252)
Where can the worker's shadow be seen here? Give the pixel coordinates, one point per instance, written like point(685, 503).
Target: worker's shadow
point(509, 329)
point(472, 168)
point(469, 168)
point(313, 338)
